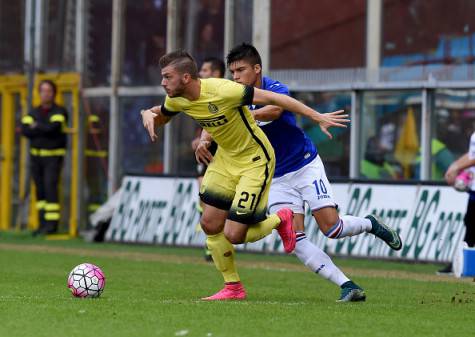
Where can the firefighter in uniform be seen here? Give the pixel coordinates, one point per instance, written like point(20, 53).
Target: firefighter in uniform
point(44, 126)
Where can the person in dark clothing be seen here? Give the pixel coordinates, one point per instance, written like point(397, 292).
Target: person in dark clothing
point(44, 126)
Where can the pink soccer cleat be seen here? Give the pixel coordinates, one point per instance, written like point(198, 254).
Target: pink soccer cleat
point(233, 291)
point(286, 230)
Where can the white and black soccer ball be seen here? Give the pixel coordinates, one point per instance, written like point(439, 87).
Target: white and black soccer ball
point(86, 280)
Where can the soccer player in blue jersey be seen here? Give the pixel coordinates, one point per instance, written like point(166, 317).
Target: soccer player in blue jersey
point(300, 178)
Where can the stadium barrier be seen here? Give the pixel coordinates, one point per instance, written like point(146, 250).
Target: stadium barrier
point(162, 210)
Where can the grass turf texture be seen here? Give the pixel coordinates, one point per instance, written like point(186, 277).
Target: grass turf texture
point(153, 291)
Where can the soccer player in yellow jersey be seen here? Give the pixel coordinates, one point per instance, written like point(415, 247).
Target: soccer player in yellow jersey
point(236, 185)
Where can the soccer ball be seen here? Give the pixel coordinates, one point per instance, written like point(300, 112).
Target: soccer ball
point(86, 280)
point(463, 181)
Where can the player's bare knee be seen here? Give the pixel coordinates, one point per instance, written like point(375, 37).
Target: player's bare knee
point(298, 222)
point(210, 226)
point(234, 236)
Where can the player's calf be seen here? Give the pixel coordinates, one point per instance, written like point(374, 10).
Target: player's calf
point(344, 226)
point(335, 231)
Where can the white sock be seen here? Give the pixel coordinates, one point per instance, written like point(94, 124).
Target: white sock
point(318, 261)
point(348, 226)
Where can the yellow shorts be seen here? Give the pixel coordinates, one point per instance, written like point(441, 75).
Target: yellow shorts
point(241, 189)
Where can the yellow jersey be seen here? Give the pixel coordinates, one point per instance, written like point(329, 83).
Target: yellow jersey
point(222, 111)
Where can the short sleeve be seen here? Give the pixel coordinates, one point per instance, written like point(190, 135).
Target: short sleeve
point(279, 88)
point(170, 107)
point(471, 149)
point(237, 94)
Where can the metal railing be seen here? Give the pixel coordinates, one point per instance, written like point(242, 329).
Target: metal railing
point(423, 76)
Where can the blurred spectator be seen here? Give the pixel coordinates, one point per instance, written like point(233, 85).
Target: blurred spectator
point(454, 130)
point(210, 31)
point(96, 163)
point(374, 165)
point(388, 136)
point(44, 127)
point(441, 158)
point(212, 67)
point(145, 32)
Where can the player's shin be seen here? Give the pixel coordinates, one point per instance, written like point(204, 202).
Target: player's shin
point(222, 252)
point(262, 229)
point(349, 225)
point(318, 261)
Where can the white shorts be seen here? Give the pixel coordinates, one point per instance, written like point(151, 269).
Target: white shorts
point(307, 185)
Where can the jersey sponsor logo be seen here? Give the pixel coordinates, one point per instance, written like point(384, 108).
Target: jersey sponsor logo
point(212, 122)
point(212, 108)
point(320, 268)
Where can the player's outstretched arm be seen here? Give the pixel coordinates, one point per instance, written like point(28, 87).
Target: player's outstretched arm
point(153, 118)
point(327, 120)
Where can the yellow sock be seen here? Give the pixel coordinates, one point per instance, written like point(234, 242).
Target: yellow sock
point(222, 252)
point(262, 229)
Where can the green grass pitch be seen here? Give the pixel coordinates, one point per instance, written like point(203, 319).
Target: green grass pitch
point(153, 291)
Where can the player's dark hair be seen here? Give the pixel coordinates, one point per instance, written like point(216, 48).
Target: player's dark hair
point(182, 61)
point(50, 83)
point(216, 64)
point(244, 52)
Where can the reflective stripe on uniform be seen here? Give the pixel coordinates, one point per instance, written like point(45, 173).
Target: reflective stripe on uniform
point(40, 204)
point(50, 206)
point(93, 207)
point(52, 216)
point(94, 153)
point(47, 152)
point(27, 119)
point(57, 118)
point(93, 118)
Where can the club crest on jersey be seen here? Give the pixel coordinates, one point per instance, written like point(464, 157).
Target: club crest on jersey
point(212, 108)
